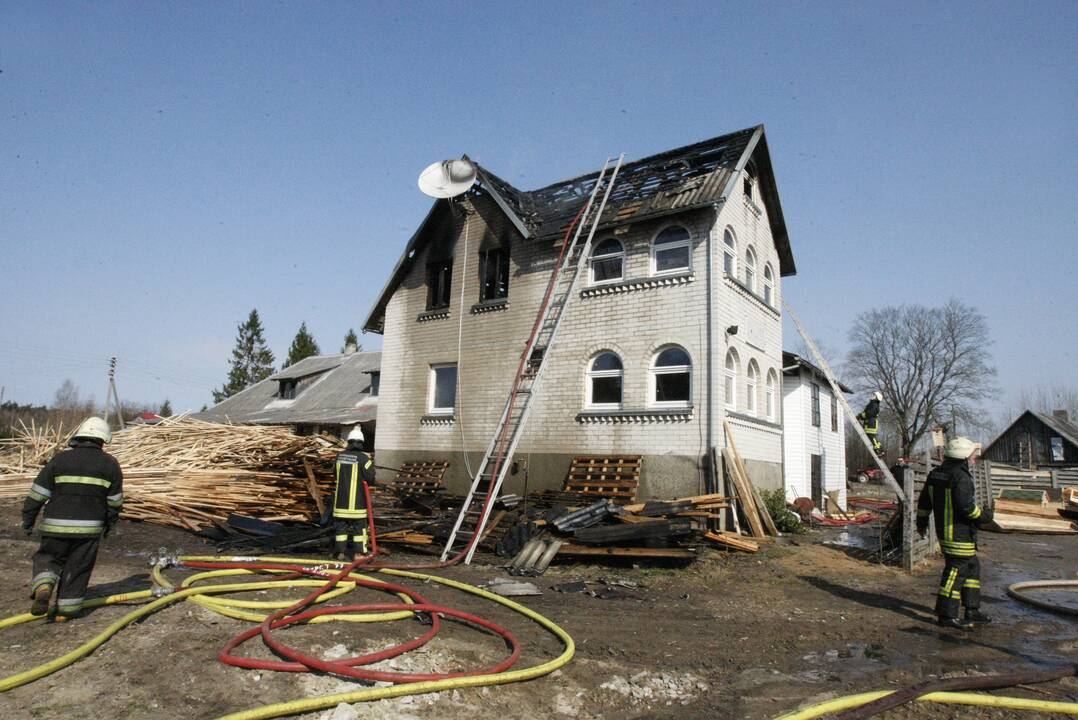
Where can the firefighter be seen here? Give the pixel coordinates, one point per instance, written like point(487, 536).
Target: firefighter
point(948, 496)
point(870, 420)
point(352, 517)
point(82, 491)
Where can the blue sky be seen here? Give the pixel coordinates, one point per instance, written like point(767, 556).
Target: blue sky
point(164, 168)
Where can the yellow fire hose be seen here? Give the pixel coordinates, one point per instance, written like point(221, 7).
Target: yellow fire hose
point(950, 698)
point(206, 595)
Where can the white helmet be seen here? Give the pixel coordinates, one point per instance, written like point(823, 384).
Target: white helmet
point(96, 428)
point(878, 395)
point(355, 434)
point(960, 448)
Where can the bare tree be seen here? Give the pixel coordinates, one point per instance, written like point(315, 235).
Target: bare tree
point(931, 364)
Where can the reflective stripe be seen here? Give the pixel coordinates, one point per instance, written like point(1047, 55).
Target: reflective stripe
point(368, 465)
point(36, 489)
point(75, 523)
point(44, 578)
point(972, 583)
point(82, 480)
point(69, 605)
point(948, 517)
point(36, 496)
point(976, 512)
point(350, 514)
point(945, 589)
point(115, 501)
point(54, 527)
point(352, 488)
point(340, 538)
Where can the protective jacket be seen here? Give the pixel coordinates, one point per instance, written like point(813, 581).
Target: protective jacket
point(949, 497)
point(82, 491)
point(353, 468)
point(869, 417)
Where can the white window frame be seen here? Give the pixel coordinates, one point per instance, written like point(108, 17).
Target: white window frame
point(669, 370)
point(729, 250)
point(769, 395)
point(752, 387)
point(606, 256)
point(592, 374)
point(730, 379)
point(686, 243)
point(433, 387)
point(769, 285)
point(750, 269)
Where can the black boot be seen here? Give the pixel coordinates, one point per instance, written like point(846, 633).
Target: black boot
point(976, 616)
point(953, 622)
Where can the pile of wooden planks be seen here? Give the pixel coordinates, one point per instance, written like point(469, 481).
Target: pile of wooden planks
point(759, 520)
point(1030, 511)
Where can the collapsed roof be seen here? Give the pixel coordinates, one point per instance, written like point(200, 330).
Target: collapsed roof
point(686, 178)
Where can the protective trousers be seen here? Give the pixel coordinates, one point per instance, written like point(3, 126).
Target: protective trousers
point(961, 581)
point(350, 532)
point(67, 564)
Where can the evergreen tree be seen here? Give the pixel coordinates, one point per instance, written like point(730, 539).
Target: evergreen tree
point(252, 361)
point(351, 339)
point(303, 346)
point(166, 409)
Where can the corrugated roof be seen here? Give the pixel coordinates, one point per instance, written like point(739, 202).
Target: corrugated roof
point(1064, 427)
point(689, 177)
point(308, 366)
point(341, 395)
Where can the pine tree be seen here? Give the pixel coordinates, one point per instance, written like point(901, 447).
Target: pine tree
point(252, 361)
point(303, 346)
point(166, 409)
point(351, 339)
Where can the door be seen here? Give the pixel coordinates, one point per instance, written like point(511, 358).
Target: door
point(817, 480)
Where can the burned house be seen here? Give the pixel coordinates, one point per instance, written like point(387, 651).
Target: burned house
point(674, 327)
point(320, 394)
point(1037, 440)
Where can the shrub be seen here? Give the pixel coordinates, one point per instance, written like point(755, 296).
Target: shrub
point(786, 520)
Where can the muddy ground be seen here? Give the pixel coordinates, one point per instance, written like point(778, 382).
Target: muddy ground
point(730, 636)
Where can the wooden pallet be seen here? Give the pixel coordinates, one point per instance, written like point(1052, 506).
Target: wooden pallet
point(419, 478)
point(614, 477)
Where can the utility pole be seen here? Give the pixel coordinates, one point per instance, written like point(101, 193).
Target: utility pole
point(111, 393)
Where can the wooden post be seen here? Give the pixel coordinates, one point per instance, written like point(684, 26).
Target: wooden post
point(909, 528)
point(990, 491)
point(1055, 479)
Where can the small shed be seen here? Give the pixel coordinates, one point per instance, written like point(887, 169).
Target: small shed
point(1037, 440)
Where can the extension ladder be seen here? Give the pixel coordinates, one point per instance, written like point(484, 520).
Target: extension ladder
point(474, 513)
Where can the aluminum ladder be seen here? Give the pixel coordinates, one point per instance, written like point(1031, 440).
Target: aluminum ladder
point(475, 512)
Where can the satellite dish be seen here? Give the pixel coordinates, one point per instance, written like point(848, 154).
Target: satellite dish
point(447, 178)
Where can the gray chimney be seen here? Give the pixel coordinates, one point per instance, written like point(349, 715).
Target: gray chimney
point(350, 349)
point(1061, 415)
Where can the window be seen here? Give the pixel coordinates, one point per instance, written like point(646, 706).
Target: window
point(287, 390)
point(749, 181)
point(443, 389)
point(376, 380)
point(494, 274)
point(730, 386)
point(750, 269)
point(752, 382)
point(672, 378)
point(815, 405)
point(670, 252)
point(729, 253)
point(607, 262)
point(439, 284)
point(834, 413)
point(605, 376)
point(769, 395)
point(769, 285)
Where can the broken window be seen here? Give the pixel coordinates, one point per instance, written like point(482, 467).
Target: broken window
point(287, 390)
point(750, 268)
point(752, 382)
point(729, 253)
point(376, 378)
point(439, 283)
point(730, 386)
point(672, 377)
point(769, 285)
point(443, 389)
point(605, 375)
point(607, 262)
point(494, 274)
point(671, 251)
point(815, 405)
point(749, 182)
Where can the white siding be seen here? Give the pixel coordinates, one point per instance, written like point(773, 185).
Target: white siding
point(803, 439)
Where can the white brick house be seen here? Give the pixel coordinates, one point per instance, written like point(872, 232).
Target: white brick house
point(814, 443)
point(640, 365)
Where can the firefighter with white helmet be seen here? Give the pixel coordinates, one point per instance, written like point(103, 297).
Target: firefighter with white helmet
point(81, 490)
point(870, 420)
point(949, 497)
point(353, 521)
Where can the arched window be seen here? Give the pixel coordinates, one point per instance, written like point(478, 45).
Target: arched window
point(733, 367)
point(671, 251)
point(671, 373)
point(605, 376)
point(729, 253)
point(769, 285)
point(752, 381)
point(607, 262)
point(769, 395)
point(750, 268)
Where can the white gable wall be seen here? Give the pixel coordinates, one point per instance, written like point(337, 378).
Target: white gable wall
point(803, 439)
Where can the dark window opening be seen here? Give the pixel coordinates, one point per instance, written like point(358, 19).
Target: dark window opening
point(834, 414)
point(815, 405)
point(375, 381)
point(606, 391)
point(287, 390)
point(494, 274)
point(439, 284)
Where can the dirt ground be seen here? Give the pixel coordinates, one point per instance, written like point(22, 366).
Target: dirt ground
point(730, 636)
